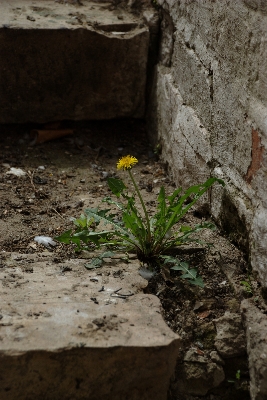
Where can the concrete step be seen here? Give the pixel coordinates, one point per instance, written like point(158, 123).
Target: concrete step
point(69, 61)
point(70, 333)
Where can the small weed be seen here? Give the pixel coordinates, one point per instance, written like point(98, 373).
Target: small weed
point(238, 374)
point(158, 150)
point(247, 287)
point(155, 4)
point(237, 377)
point(151, 238)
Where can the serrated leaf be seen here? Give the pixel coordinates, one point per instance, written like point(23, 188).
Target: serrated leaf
point(116, 203)
point(81, 222)
point(185, 228)
point(184, 264)
point(65, 237)
point(197, 281)
point(192, 273)
point(95, 263)
point(177, 268)
point(169, 259)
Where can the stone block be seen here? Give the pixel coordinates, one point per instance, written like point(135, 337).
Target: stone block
point(259, 243)
point(230, 338)
point(193, 79)
point(61, 337)
point(231, 147)
point(198, 374)
point(256, 328)
point(64, 61)
point(184, 139)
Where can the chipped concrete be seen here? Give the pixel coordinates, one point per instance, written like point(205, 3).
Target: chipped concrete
point(73, 62)
point(66, 332)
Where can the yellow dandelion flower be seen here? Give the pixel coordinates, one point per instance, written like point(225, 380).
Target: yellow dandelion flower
point(126, 162)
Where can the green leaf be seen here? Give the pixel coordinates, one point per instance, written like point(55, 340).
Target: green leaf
point(131, 223)
point(245, 283)
point(181, 266)
point(162, 201)
point(191, 274)
point(169, 259)
point(81, 222)
point(185, 229)
point(65, 237)
point(161, 217)
point(68, 238)
point(197, 190)
point(174, 195)
point(198, 281)
point(98, 261)
point(95, 263)
point(116, 186)
point(110, 201)
point(137, 217)
point(119, 231)
point(238, 374)
point(107, 254)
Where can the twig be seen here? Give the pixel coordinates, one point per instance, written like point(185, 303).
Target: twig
point(30, 175)
point(120, 295)
point(57, 212)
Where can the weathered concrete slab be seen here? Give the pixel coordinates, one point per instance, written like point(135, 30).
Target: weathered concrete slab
point(66, 332)
point(65, 61)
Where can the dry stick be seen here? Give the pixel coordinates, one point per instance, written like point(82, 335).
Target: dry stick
point(57, 212)
point(30, 175)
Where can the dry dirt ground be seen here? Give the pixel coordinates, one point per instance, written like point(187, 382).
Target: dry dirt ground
point(66, 175)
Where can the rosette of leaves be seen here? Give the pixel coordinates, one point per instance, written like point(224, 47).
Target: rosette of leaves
point(151, 238)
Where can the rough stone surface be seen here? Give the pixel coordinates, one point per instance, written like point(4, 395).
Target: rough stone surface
point(181, 151)
point(256, 331)
point(66, 333)
point(198, 374)
point(215, 357)
point(72, 62)
point(209, 107)
point(230, 339)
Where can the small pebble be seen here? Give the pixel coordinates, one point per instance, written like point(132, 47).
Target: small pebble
point(104, 174)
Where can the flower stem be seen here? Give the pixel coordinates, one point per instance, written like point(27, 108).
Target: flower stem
point(142, 203)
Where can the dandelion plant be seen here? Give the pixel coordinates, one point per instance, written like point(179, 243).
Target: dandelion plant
point(151, 238)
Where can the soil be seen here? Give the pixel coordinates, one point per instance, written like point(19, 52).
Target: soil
point(69, 174)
